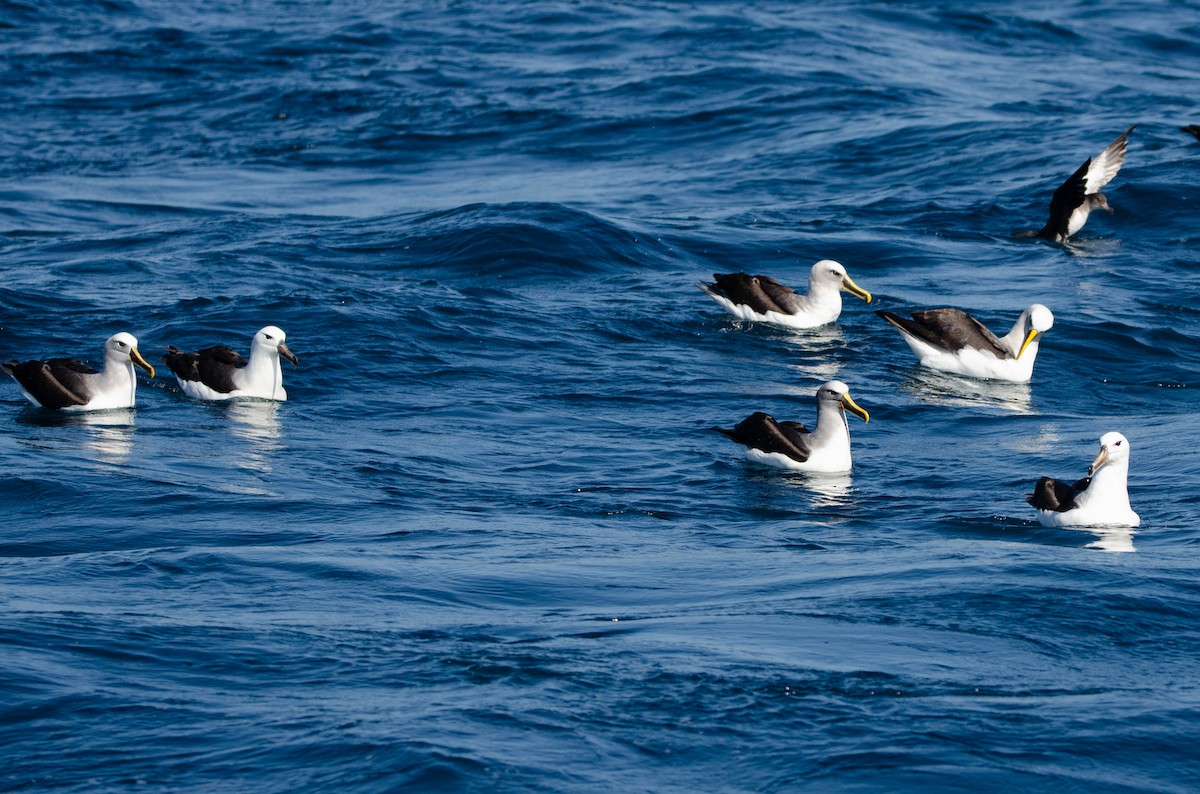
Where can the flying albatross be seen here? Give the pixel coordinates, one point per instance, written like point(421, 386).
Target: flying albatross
point(70, 385)
point(951, 340)
point(790, 445)
point(1080, 194)
point(1100, 499)
point(219, 373)
point(763, 299)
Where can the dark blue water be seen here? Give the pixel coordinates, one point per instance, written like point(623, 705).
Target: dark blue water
point(491, 542)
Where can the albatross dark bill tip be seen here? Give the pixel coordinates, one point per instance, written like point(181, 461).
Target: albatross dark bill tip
point(288, 354)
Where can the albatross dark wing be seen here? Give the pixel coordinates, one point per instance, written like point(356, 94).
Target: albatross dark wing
point(743, 289)
point(182, 364)
point(1056, 495)
point(949, 329)
point(56, 383)
point(783, 296)
point(760, 431)
point(212, 366)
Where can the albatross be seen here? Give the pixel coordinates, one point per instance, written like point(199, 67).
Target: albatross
point(763, 299)
point(1098, 500)
point(790, 445)
point(953, 341)
point(220, 373)
point(68, 384)
point(1080, 194)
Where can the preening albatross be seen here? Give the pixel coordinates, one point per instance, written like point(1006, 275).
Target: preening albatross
point(951, 340)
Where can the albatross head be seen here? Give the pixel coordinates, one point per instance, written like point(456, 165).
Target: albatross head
point(829, 272)
point(837, 392)
point(1038, 320)
point(274, 340)
point(122, 347)
point(1114, 449)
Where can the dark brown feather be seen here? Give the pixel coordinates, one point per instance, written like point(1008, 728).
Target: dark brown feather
point(949, 329)
point(1070, 194)
point(756, 292)
point(760, 431)
point(1056, 495)
point(212, 366)
point(55, 383)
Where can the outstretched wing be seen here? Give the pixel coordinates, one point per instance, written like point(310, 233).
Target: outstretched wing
point(1070, 194)
point(1105, 165)
point(1089, 178)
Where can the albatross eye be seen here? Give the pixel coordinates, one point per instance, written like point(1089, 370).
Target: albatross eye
point(268, 337)
point(1117, 444)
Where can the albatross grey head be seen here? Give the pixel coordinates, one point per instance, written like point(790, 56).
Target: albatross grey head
point(834, 274)
point(838, 392)
point(122, 347)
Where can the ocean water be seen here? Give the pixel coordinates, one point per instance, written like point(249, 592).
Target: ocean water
point(491, 543)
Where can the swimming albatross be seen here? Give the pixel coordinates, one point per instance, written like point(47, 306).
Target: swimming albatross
point(763, 299)
point(1080, 194)
point(790, 445)
point(1100, 499)
point(70, 385)
point(219, 373)
point(951, 340)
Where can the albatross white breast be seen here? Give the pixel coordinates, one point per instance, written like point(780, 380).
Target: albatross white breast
point(220, 373)
point(790, 445)
point(763, 299)
point(951, 340)
point(1080, 194)
point(1098, 500)
point(68, 384)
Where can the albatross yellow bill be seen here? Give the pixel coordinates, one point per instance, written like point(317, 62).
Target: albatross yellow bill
point(136, 358)
point(849, 285)
point(854, 408)
point(1028, 338)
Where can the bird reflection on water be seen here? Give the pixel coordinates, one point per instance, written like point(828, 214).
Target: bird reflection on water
point(108, 438)
point(1115, 539)
point(110, 434)
point(256, 423)
point(939, 389)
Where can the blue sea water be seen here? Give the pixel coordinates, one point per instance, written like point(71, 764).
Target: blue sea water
point(491, 542)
